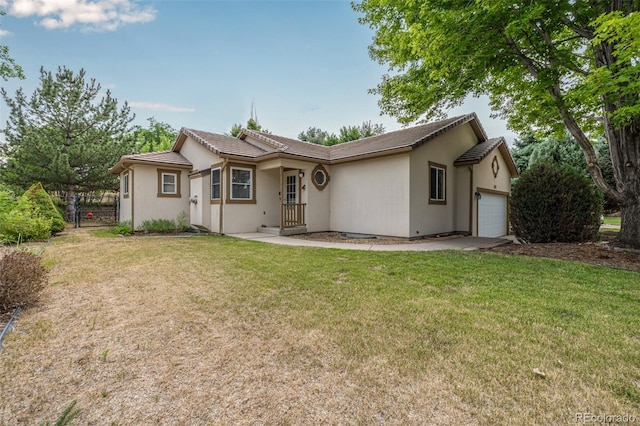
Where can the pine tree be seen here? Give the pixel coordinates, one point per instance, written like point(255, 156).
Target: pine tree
point(64, 136)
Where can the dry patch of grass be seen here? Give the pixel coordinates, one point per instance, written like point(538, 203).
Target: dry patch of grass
point(203, 330)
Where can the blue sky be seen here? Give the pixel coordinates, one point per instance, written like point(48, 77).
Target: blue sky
point(201, 64)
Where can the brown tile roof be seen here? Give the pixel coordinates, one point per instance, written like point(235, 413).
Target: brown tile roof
point(406, 138)
point(478, 152)
point(294, 146)
point(221, 144)
point(169, 158)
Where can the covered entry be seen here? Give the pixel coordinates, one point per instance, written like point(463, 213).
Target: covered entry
point(292, 211)
point(492, 214)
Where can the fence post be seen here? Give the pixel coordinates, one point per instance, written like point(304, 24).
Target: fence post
point(76, 211)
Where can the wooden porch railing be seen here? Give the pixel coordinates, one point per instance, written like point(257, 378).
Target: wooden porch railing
point(292, 215)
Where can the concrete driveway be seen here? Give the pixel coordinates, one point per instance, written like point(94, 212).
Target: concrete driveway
point(462, 243)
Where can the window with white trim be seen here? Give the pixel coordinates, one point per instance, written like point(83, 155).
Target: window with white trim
point(169, 183)
point(437, 183)
point(241, 183)
point(125, 184)
point(215, 183)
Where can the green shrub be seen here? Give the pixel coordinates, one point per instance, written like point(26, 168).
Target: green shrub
point(552, 203)
point(158, 225)
point(22, 277)
point(7, 202)
point(23, 223)
point(123, 228)
point(183, 221)
point(45, 207)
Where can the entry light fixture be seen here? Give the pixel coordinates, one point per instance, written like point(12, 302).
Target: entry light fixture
point(301, 175)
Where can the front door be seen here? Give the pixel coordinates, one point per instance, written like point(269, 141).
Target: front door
point(291, 208)
point(290, 189)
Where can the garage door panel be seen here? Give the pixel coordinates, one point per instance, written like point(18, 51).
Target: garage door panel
point(492, 215)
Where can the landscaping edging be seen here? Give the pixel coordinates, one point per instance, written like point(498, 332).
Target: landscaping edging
point(8, 326)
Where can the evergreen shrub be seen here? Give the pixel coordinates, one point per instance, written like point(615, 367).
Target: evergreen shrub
point(551, 203)
point(45, 207)
point(23, 223)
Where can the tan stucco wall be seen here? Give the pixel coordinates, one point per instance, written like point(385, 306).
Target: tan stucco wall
point(147, 204)
point(203, 213)
point(371, 196)
point(125, 203)
point(318, 202)
point(463, 199)
point(198, 155)
point(317, 209)
point(196, 210)
point(248, 217)
point(485, 181)
point(429, 219)
point(484, 174)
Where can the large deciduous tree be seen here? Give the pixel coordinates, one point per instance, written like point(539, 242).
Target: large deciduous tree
point(346, 134)
point(8, 66)
point(66, 135)
point(158, 136)
point(546, 64)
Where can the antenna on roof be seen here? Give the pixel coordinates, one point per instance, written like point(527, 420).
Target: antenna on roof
point(254, 114)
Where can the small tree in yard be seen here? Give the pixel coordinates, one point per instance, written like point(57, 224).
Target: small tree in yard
point(44, 206)
point(551, 203)
point(64, 136)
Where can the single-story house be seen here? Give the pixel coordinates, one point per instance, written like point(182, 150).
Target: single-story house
point(437, 178)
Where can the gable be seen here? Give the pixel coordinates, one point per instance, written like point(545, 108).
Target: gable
point(159, 159)
point(482, 150)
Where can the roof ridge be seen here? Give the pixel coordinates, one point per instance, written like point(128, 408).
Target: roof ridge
point(296, 140)
point(279, 146)
point(191, 133)
point(455, 122)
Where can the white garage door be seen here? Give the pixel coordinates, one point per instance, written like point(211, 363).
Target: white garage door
point(492, 215)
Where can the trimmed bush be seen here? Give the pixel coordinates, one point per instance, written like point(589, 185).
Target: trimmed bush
point(551, 203)
point(45, 207)
point(22, 277)
point(23, 223)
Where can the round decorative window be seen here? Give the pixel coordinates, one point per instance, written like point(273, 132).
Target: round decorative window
point(320, 177)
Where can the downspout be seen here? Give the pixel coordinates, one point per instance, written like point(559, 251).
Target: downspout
point(131, 196)
point(471, 197)
point(222, 185)
point(280, 197)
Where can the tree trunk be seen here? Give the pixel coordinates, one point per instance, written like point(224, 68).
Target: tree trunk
point(70, 207)
point(630, 227)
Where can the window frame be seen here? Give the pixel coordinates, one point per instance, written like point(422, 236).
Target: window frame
point(125, 184)
point(320, 169)
point(438, 168)
point(219, 184)
point(252, 183)
point(165, 172)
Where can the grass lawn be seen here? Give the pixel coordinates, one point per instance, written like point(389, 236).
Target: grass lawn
point(612, 220)
point(203, 330)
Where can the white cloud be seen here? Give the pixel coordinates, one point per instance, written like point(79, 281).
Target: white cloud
point(156, 106)
point(100, 15)
point(4, 33)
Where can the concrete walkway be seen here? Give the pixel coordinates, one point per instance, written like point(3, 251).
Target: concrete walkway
point(462, 243)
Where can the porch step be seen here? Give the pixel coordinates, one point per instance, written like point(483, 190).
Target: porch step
point(275, 230)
